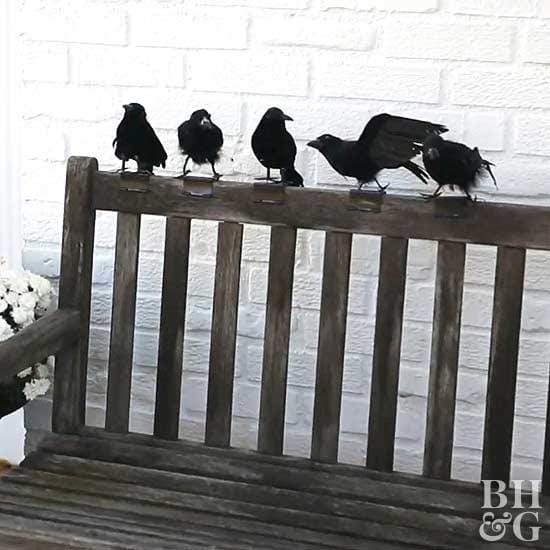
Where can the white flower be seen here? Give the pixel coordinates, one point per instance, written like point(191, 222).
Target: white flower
point(35, 388)
point(12, 298)
point(5, 330)
point(51, 362)
point(28, 301)
point(25, 373)
point(21, 316)
point(19, 285)
point(41, 286)
point(3, 305)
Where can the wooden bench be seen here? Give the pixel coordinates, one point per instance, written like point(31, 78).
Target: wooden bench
point(108, 488)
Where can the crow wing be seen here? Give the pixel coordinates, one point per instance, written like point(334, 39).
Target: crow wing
point(392, 140)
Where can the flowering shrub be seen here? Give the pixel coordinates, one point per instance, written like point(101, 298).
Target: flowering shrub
point(24, 298)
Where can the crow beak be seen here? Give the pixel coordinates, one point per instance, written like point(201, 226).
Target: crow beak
point(126, 107)
point(206, 121)
point(315, 144)
point(289, 118)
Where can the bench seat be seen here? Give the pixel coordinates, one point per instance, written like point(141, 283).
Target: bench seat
point(99, 490)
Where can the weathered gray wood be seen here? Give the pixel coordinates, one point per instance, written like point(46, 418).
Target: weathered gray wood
point(503, 364)
point(75, 290)
point(176, 519)
point(444, 360)
point(322, 523)
point(121, 350)
point(55, 442)
point(391, 513)
point(330, 351)
point(387, 354)
point(172, 327)
point(121, 518)
point(276, 341)
point(329, 209)
point(224, 335)
point(230, 464)
point(56, 331)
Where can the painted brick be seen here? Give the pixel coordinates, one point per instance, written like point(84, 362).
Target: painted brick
point(355, 77)
point(268, 73)
point(276, 4)
point(532, 135)
point(326, 32)
point(74, 21)
point(45, 62)
point(518, 88)
point(486, 131)
point(518, 8)
point(447, 39)
point(181, 29)
point(134, 66)
point(387, 5)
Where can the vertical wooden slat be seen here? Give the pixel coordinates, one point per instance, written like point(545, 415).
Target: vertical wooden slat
point(224, 335)
point(332, 337)
point(75, 290)
point(387, 354)
point(444, 360)
point(277, 337)
point(121, 351)
point(503, 364)
point(172, 328)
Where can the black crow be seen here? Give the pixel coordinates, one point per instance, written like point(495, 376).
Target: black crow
point(386, 142)
point(201, 140)
point(274, 147)
point(136, 140)
point(454, 165)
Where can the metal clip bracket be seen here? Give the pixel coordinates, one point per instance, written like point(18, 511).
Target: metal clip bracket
point(269, 193)
point(366, 201)
point(199, 187)
point(138, 182)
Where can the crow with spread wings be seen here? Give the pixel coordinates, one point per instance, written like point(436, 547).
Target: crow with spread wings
point(386, 142)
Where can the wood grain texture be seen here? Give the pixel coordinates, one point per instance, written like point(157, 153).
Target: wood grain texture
point(444, 360)
point(75, 291)
point(503, 364)
point(172, 328)
point(331, 347)
point(276, 340)
point(224, 335)
point(54, 332)
point(387, 354)
point(332, 209)
point(121, 350)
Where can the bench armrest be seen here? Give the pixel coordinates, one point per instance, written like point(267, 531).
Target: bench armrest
point(34, 343)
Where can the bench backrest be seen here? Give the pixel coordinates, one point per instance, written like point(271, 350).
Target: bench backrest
point(512, 229)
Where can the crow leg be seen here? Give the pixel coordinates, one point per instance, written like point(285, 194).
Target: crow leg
point(473, 200)
point(267, 178)
point(434, 195)
point(488, 168)
point(185, 171)
point(123, 169)
point(380, 186)
point(214, 173)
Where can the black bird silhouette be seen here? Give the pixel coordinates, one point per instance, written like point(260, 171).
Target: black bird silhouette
point(136, 140)
point(453, 165)
point(201, 140)
point(274, 147)
point(386, 142)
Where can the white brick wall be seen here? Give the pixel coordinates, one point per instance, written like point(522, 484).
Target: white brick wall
point(482, 67)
